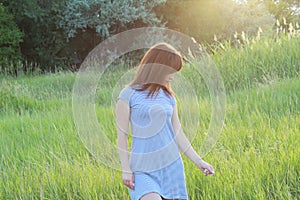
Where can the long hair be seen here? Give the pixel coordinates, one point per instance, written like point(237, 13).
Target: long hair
point(158, 62)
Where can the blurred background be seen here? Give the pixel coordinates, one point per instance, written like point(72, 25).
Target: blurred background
point(48, 36)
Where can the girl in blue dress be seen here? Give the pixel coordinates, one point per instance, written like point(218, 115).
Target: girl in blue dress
point(154, 170)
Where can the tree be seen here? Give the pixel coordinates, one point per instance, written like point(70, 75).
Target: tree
point(10, 38)
point(285, 11)
point(107, 17)
point(62, 32)
point(88, 22)
point(250, 17)
point(203, 19)
point(43, 44)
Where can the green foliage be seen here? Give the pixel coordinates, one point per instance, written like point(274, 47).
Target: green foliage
point(283, 12)
point(250, 17)
point(49, 27)
point(204, 19)
point(60, 33)
point(107, 17)
point(87, 23)
point(10, 38)
point(43, 43)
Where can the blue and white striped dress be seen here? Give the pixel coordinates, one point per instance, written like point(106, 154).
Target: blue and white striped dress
point(154, 158)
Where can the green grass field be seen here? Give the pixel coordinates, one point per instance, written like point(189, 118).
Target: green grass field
point(256, 157)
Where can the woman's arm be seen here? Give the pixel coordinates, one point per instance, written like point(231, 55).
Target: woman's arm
point(122, 119)
point(186, 147)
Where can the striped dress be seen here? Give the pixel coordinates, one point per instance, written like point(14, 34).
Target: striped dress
point(154, 158)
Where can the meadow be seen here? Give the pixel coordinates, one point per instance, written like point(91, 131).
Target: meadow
point(256, 157)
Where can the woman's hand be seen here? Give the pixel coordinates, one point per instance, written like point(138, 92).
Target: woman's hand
point(128, 179)
point(206, 168)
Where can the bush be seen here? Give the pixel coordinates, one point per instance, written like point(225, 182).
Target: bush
point(10, 39)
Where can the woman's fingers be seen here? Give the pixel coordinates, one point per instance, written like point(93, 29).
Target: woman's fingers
point(128, 180)
point(209, 169)
point(206, 168)
point(129, 184)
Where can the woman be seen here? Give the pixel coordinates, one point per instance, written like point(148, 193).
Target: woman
point(155, 169)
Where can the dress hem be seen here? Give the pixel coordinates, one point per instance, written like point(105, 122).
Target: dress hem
point(162, 195)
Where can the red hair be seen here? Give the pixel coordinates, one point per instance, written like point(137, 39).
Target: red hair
point(159, 61)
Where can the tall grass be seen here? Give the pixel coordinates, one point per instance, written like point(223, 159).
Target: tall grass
point(256, 157)
point(259, 62)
